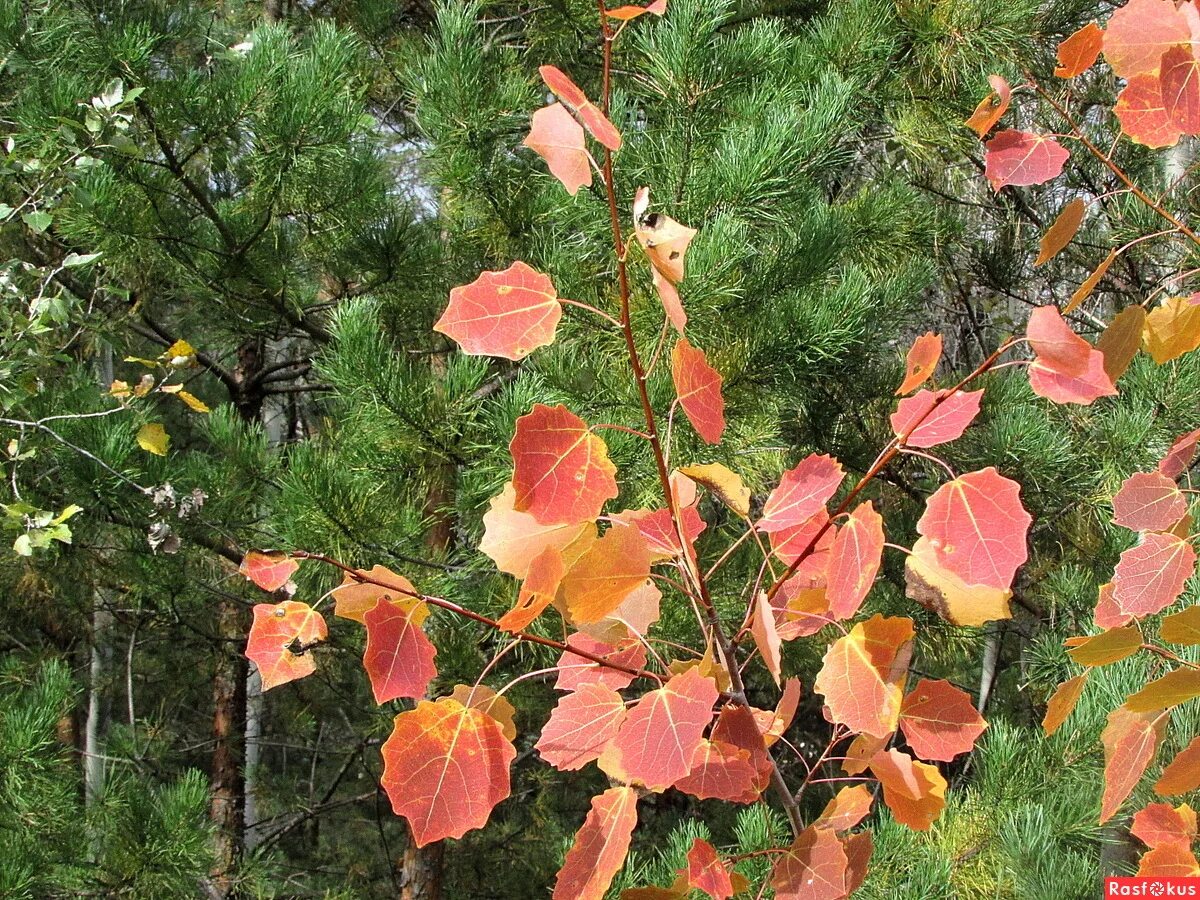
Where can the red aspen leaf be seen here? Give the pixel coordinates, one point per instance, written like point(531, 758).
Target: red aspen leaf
point(721, 771)
point(398, 656)
point(939, 721)
point(268, 569)
point(1129, 740)
point(766, 638)
point(1182, 775)
point(1120, 341)
point(1173, 328)
point(576, 671)
point(281, 639)
point(858, 847)
point(790, 542)
point(1054, 344)
point(614, 566)
point(1150, 576)
point(736, 727)
point(600, 847)
point(1078, 53)
point(1083, 389)
point(626, 13)
point(726, 486)
point(929, 418)
point(859, 753)
point(1158, 825)
point(486, 700)
point(991, 107)
point(658, 528)
point(1148, 501)
point(1140, 32)
point(1108, 614)
point(1182, 627)
point(943, 592)
point(561, 471)
point(1179, 76)
point(805, 610)
point(862, 677)
point(977, 527)
point(698, 386)
point(513, 540)
point(1169, 861)
point(801, 493)
point(576, 100)
point(706, 872)
point(922, 359)
point(353, 599)
point(914, 791)
point(1170, 690)
point(655, 744)
point(814, 868)
point(556, 137)
point(1089, 284)
point(1105, 648)
point(848, 807)
point(1143, 115)
point(1062, 703)
point(445, 767)
point(1022, 158)
point(538, 591)
point(581, 726)
point(507, 314)
point(854, 560)
point(1179, 458)
point(664, 240)
point(1061, 231)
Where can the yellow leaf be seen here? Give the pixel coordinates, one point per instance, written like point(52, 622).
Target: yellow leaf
point(1106, 647)
point(120, 390)
point(1089, 284)
point(1172, 689)
point(726, 485)
point(153, 439)
point(1121, 339)
point(1059, 234)
point(1062, 703)
point(1182, 627)
point(180, 354)
point(1173, 328)
point(194, 402)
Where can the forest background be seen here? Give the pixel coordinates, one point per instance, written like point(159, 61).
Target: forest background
point(292, 189)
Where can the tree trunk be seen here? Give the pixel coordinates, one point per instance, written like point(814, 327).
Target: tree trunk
point(254, 728)
point(97, 724)
point(227, 804)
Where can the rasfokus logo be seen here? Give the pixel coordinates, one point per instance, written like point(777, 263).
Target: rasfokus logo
point(1152, 887)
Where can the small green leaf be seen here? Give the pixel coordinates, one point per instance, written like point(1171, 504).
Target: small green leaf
point(38, 221)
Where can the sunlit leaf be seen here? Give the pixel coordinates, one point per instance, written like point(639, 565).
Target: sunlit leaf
point(1173, 328)
point(600, 847)
point(945, 593)
point(1169, 861)
point(281, 640)
point(353, 598)
point(1089, 284)
point(1105, 648)
point(1140, 32)
point(706, 872)
point(614, 566)
point(1182, 775)
point(914, 791)
point(847, 808)
point(574, 99)
point(726, 486)
point(766, 637)
point(1022, 158)
point(929, 418)
point(486, 700)
point(1148, 501)
point(1150, 576)
point(512, 539)
point(153, 438)
point(655, 744)
point(628, 12)
point(1078, 53)
point(538, 591)
point(1062, 703)
point(801, 493)
point(862, 678)
point(581, 726)
point(1182, 627)
point(1179, 457)
point(398, 656)
point(721, 771)
point(939, 721)
point(556, 137)
point(507, 314)
point(576, 671)
point(698, 386)
point(1121, 340)
point(1130, 740)
point(1170, 690)
point(854, 560)
point(814, 868)
point(561, 470)
point(920, 363)
point(991, 107)
point(1179, 74)
point(445, 767)
point(268, 569)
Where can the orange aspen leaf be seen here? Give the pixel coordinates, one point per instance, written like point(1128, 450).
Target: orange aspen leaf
point(858, 847)
point(1061, 231)
point(862, 677)
point(538, 591)
point(445, 767)
point(1182, 775)
point(766, 637)
point(977, 528)
point(581, 726)
point(398, 656)
point(353, 599)
point(561, 470)
point(513, 540)
point(556, 137)
point(1179, 458)
point(486, 700)
point(574, 99)
point(721, 771)
point(706, 872)
point(1078, 53)
point(1170, 690)
point(1143, 115)
point(991, 107)
point(1089, 284)
point(600, 847)
point(847, 808)
point(1158, 825)
point(801, 493)
point(939, 721)
point(1140, 32)
point(914, 791)
point(268, 569)
point(1179, 75)
point(814, 868)
point(614, 566)
point(1129, 740)
point(576, 671)
point(629, 12)
point(1062, 703)
point(854, 560)
point(698, 386)
point(281, 641)
point(1121, 340)
point(1169, 861)
point(922, 359)
point(507, 314)
point(945, 593)
point(727, 486)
